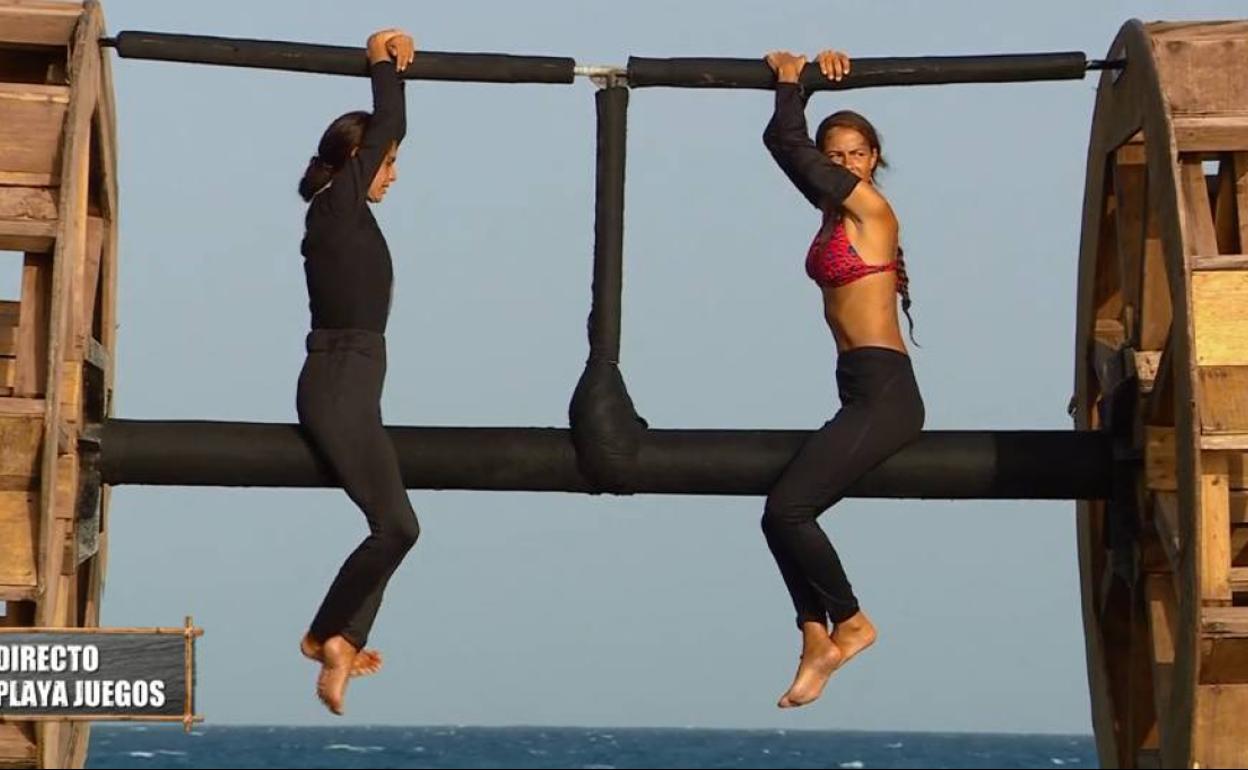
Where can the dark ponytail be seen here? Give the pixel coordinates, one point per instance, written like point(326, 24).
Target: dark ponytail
point(903, 288)
point(342, 137)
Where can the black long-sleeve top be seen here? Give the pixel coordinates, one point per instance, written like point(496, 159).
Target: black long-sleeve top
point(346, 259)
point(825, 184)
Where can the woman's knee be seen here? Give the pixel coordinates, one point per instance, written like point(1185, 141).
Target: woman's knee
point(398, 536)
point(785, 511)
point(407, 533)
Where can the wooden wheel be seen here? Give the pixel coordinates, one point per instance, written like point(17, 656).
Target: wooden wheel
point(58, 211)
point(1161, 363)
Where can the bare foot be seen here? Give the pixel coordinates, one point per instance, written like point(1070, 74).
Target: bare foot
point(820, 658)
point(854, 635)
point(331, 684)
point(366, 661)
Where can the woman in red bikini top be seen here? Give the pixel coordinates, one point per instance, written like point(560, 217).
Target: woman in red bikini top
point(855, 258)
point(856, 261)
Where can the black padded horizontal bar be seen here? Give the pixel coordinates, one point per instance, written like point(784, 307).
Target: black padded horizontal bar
point(1040, 465)
point(339, 60)
point(864, 73)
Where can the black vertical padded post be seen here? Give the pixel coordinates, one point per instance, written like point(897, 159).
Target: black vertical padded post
point(604, 317)
point(606, 429)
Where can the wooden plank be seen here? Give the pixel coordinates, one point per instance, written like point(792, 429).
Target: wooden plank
point(48, 737)
point(1166, 522)
point(21, 406)
point(35, 93)
point(1215, 529)
point(1154, 300)
point(1239, 545)
point(71, 392)
point(24, 593)
point(1159, 453)
point(1109, 297)
point(1131, 153)
point(32, 340)
point(70, 247)
point(1220, 315)
point(67, 437)
point(1239, 508)
point(107, 331)
point(1130, 193)
point(97, 355)
point(1110, 332)
point(31, 120)
point(17, 745)
point(1162, 617)
point(1239, 162)
point(35, 23)
point(26, 179)
point(1221, 262)
point(10, 315)
point(27, 203)
point(1223, 400)
point(1237, 469)
point(1224, 621)
point(1224, 442)
point(1239, 580)
point(1159, 471)
point(1225, 226)
point(1218, 729)
point(1201, 67)
point(87, 532)
point(67, 488)
point(106, 133)
point(1211, 133)
point(19, 530)
point(89, 282)
point(1142, 725)
point(1166, 31)
point(1195, 192)
point(95, 576)
point(1224, 661)
point(19, 466)
point(19, 483)
point(27, 235)
point(80, 738)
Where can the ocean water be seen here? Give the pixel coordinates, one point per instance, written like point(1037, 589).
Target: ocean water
point(572, 747)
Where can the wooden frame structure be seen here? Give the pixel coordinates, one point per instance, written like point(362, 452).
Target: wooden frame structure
point(58, 207)
point(1161, 363)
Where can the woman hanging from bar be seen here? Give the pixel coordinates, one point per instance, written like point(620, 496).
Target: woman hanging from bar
point(856, 261)
point(349, 276)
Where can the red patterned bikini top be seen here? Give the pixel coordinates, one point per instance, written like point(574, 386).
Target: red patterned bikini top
point(834, 262)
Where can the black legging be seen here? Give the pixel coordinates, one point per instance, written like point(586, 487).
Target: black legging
point(881, 411)
point(339, 406)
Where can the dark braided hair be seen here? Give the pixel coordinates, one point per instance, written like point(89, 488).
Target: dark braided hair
point(853, 120)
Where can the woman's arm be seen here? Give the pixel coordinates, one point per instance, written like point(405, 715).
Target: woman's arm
point(824, 183)
point(389, 52)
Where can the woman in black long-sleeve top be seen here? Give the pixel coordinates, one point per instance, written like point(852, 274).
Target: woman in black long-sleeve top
point(856, 261)
point(349, 275)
